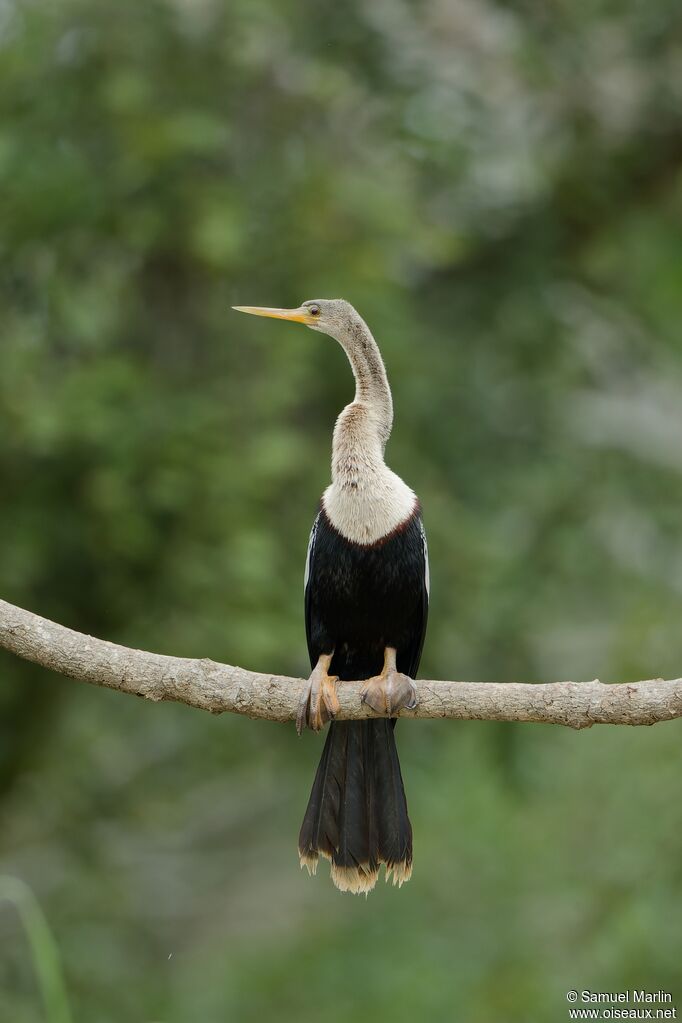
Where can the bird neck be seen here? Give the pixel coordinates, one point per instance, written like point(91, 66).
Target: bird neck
point(365, 500)
point(363, 427)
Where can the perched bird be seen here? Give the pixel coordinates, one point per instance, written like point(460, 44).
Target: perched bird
point(366, 605)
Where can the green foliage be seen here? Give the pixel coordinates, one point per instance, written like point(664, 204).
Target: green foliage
point(496, 188)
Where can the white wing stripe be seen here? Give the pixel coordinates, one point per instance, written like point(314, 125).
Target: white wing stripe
point(427, 576)
point(308, 556)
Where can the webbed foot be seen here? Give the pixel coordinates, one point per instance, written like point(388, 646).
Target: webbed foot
point(319, 702)
point(391, 691)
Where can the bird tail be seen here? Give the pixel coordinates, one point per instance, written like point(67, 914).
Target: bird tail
point(357, 812)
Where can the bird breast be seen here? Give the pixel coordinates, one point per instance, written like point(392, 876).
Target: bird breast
point(367, 503)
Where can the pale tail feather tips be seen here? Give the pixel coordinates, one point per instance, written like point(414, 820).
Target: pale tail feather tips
point(399, 873)
point(354, 879)
point(309, 861)
point(361, 879)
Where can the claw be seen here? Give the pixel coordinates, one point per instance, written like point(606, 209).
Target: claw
point(319, 702)
point(391, 691)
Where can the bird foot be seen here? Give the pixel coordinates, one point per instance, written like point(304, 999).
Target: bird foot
point(389, 692)
point(319, 702)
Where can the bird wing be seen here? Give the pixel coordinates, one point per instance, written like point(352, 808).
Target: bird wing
point(427, 575)
point(410, 656)
point(309, 562)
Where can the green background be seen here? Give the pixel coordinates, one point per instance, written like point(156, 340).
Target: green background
point(498, 189)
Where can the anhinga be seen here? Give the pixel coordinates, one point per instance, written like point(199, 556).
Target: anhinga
point(366, 604)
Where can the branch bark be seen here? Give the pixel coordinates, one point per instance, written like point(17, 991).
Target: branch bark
point(215, 687)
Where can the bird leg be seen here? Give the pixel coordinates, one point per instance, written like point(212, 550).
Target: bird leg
point(319, 702)
point(390, 691)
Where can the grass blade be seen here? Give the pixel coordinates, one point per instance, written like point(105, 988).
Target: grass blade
point(43, 947)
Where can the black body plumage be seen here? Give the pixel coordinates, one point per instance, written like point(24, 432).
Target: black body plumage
point(360, 599)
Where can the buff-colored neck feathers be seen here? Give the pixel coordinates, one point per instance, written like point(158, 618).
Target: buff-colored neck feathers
point(366, 500)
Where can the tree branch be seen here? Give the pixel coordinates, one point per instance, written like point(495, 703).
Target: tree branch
point(222, 687)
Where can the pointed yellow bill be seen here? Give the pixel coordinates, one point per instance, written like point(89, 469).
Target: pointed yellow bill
point(300, 315)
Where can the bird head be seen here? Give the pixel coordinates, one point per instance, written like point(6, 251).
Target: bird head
point(331, 316)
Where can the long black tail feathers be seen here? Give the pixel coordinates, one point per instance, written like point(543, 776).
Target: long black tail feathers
point(357, 812)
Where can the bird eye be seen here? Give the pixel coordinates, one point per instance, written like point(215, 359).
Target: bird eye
point(314, 310)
